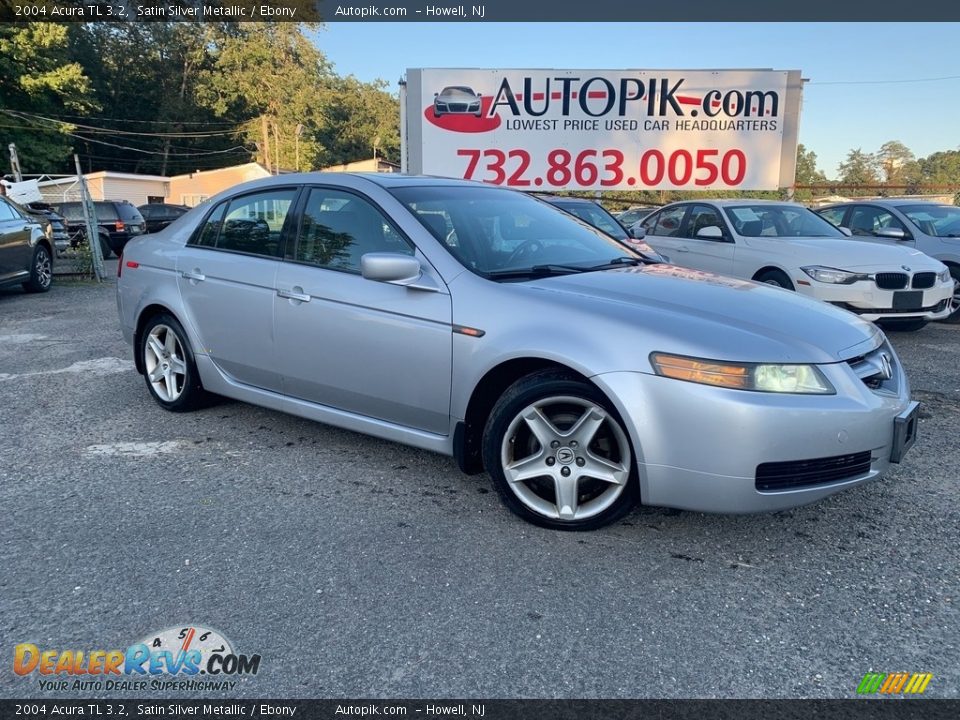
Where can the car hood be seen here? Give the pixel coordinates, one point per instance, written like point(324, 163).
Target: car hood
point(845, 253)
point(722, 318)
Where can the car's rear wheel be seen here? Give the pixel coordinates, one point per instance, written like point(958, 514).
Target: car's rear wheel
point(775, 278)
point(168, 365)
point(105, 250)
point(41, 270)
point(558, 453)
point(954, 316)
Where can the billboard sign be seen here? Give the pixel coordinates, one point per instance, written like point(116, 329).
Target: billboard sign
point(604, 129)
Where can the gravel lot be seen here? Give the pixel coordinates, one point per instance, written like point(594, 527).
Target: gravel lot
point(361, 568)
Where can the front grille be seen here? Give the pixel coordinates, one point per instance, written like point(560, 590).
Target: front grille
point(458, 107)
point(805, 473)
point(924, 280)
point(891, 281)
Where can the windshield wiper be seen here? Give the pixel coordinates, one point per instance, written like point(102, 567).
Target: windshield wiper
point(537, 271)
point(557, 269)
point(622, 260)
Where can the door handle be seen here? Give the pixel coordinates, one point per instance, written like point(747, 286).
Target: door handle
point(195, 276)
point(296, 294)
point(682, 248)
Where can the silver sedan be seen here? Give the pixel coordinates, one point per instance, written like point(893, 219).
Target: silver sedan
point(485, 324)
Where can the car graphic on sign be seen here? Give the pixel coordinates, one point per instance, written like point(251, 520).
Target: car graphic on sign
point(457, 100)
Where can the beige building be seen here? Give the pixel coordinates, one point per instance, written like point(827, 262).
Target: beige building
point(193, 188)
point(189, 189)
point(107, 185)
point(371, 165)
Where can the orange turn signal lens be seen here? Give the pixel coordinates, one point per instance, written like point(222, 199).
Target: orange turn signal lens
point(701, 371)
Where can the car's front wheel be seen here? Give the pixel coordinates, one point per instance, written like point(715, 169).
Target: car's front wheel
point(775, 278)
point(558, 453)
point(41, 270)
point(168, 365)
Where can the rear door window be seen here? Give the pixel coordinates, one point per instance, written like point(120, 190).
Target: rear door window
point(253, 223)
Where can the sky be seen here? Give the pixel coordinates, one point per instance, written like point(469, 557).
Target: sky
point(869, 82)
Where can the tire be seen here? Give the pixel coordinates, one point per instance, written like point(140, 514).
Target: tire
point(903, 325)
point(954, 317)
point(105, 249)
point(554, 404)
point(168, 365)
point(41, 270)
point(775, 278)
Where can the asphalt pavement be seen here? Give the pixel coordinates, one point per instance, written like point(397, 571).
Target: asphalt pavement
point(361, 568)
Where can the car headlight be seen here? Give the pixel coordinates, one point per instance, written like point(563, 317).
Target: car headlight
point(759, 377)
point(833, 275)
point(944, 275)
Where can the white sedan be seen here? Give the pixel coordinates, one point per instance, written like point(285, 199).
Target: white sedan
point(787, 245)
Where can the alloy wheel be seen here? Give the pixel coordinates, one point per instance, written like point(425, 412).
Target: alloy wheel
point(165, 363)
point(566, 458)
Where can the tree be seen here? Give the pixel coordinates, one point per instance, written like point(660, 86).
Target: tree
point(363, 120)
point(275, 79)
point(860, 168)
point(38, 78)
point(898, 164)
point(807, 172)
point(941, 168)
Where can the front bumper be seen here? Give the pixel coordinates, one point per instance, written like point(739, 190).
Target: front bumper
point(872, 303)
point(699, 447)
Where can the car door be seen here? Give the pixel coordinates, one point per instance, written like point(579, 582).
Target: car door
point(664, 232)
point(371, 348)
point(713, 254)
point(226, 274)
point(864, 222)
point(15, 249)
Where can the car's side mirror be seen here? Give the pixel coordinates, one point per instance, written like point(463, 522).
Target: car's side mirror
point(638, 232)
point(711, 232)
point(396, 269)
point(845, 231)
point(891, 232)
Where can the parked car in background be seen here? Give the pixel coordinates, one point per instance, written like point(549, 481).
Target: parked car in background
point(596, 215)
point(157, 216)
point(117, 221)
point(931, 228)
point(787, 245)
point(54, 225)
point(479, 322)
point(26, 252)
point(629, 218)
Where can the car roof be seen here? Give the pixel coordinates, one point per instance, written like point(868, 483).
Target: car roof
point(565, 199)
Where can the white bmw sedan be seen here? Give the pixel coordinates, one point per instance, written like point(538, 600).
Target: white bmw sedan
point(787, 245)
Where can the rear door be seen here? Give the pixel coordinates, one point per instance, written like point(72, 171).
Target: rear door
point(226, 275)
point(371, 348)
point(15, 249)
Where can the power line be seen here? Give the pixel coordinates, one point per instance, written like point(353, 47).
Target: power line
point(112, 131)
point(884, 82)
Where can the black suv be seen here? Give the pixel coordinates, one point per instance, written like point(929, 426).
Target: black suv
point(159, 215)
point(118, 221)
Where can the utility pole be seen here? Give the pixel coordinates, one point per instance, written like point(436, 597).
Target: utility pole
point(265, 135)
point(15, 163)
point(90, 219)
point(276, 150)
point(298, 134)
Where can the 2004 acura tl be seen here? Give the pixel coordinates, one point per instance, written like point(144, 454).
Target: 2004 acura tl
point(485, 324)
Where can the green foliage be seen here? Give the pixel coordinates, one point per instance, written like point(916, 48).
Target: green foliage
point(37, 76)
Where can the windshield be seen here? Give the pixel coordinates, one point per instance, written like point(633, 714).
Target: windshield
point(935, 220)
point(766, 220)
point(596, 216)
point(492, 231)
